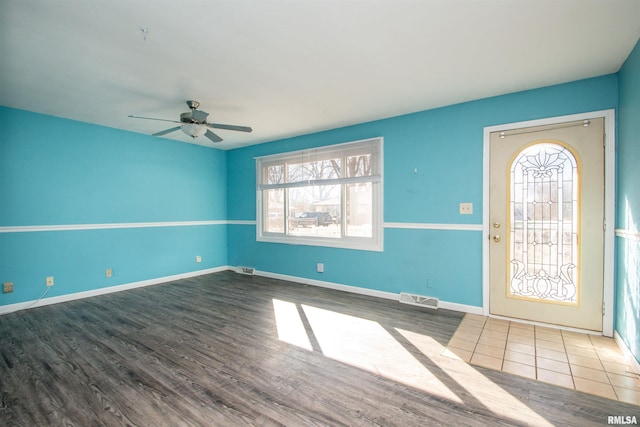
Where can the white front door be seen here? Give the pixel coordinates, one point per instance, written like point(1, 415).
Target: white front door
point(546, 212)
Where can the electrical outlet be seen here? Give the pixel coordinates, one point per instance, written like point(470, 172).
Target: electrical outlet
point(7, 287)
point(108, 272)
point(50, 281)
point(320, 267)
point(466, 208)
point(198, 258)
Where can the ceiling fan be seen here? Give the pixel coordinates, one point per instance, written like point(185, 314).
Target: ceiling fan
point(194, 123)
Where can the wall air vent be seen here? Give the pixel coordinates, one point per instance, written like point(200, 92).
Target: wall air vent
point(419, 300)
point(249, 271)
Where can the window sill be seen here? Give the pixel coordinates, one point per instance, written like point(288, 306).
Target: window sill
point(352, 243)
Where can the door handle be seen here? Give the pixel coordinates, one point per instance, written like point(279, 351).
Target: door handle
point(497, 238)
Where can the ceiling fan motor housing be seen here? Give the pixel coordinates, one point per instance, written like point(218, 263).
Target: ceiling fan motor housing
point(186, 118)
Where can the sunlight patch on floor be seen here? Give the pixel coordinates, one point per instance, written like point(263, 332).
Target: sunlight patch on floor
point(473, 382)
point(289, 324)
point(367, 345)
point(395, 354)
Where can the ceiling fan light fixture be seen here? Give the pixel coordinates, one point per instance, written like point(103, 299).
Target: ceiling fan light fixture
point(194, 130)
point(194, 123)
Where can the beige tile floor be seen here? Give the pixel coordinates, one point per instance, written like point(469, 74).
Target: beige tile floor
point(589, 363)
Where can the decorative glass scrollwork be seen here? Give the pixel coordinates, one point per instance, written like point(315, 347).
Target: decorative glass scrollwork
point(544, 224)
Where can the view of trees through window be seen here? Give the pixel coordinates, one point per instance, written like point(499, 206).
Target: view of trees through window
point(331, 193)
point(317, 208)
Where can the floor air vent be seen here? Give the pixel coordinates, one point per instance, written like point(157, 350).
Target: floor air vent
point(419, 300)
point(249, 271)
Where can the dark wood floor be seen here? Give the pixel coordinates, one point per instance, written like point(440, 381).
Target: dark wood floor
point(206, 351)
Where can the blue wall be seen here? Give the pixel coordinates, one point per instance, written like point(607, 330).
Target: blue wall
point(62, 172)
point(445, 146)
point(628, 204)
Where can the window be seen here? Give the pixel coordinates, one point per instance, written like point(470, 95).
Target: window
point(329, 196)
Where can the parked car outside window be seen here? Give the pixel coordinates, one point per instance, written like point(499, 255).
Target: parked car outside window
point(309, 219)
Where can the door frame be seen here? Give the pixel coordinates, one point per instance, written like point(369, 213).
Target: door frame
point(609, 204)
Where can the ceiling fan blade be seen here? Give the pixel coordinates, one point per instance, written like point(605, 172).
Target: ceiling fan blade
point(212, 136)
point(199, 116)
point(164, 132)
point(152, 118)
point(230, 127)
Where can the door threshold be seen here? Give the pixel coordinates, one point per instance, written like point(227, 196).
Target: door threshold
point(546, 325)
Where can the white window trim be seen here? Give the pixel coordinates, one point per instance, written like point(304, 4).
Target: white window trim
point(375, 243)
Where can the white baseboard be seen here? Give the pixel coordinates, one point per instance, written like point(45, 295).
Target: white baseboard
point(329, 285)
point(363, 291)
point(471, 309)
point(631, 360)
point(6, 309)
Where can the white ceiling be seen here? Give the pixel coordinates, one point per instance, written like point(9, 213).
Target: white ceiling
point(293, 67)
